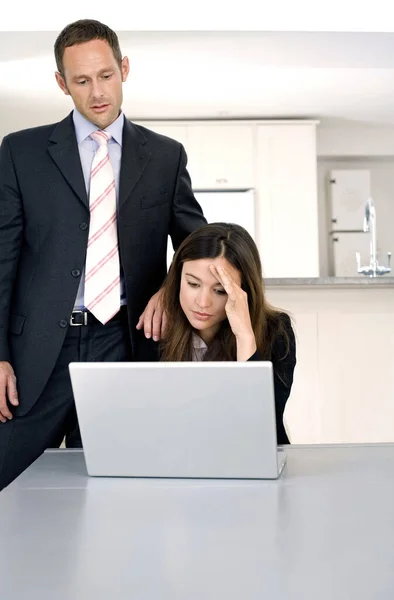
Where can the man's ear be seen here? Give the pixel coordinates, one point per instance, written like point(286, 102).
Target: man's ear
point(125, 68)
point(61, 83)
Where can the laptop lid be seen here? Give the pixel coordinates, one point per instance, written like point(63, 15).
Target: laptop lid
point(187, 419)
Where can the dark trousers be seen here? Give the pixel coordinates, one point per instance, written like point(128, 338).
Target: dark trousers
point(53, 417)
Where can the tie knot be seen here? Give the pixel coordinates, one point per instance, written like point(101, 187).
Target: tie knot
point(101, 137)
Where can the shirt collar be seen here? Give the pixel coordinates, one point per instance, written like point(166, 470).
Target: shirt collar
point(198, 343)
point(83, 127)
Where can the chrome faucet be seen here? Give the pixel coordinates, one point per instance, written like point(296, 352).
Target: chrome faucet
point(369, 225)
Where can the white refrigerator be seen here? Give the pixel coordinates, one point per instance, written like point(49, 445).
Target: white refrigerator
point(236, 206)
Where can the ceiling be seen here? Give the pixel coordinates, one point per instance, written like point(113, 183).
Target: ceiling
point(210, 75)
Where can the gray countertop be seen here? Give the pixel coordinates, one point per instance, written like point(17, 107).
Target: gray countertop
point(342, 282)
point(324, 530)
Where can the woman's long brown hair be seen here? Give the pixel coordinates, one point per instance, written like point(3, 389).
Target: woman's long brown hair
point(234, 243)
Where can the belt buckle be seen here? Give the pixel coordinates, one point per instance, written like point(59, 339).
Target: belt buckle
point(79, 312)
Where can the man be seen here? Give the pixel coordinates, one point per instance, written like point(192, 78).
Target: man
point(86, 207)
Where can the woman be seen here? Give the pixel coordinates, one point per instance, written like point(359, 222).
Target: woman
point(216, 309)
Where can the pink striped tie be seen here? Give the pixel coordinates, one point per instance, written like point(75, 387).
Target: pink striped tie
point(102, 271)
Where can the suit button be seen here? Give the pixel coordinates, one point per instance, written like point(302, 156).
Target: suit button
point(75, 272)
point(63, 323)
point(83, 226)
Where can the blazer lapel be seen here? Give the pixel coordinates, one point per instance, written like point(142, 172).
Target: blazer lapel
point(135, 157)
point(63, 149)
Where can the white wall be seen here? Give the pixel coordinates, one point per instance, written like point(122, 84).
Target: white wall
point(210, 15)
point(352, 138)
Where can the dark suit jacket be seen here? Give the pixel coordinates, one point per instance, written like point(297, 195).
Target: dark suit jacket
point(44, 219)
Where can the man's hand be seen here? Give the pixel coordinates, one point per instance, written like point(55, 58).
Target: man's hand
point(8, 393)
point(153, 319)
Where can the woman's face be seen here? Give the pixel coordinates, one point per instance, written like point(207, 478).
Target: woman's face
point(202, 297)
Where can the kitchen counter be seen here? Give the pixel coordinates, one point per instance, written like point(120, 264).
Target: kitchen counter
point(343, 386)
point(324, 530)
point(332, 282)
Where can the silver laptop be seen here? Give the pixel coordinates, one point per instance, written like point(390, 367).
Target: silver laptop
point(187, 419)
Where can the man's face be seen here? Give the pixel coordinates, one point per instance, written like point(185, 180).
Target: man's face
point(93, 79)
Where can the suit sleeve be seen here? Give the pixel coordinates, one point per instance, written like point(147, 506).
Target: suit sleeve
point(11, 228)
point(283, 362)
point(187, 214)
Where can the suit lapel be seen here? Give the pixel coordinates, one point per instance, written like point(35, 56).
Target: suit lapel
point(63, 149)
point(135, 157)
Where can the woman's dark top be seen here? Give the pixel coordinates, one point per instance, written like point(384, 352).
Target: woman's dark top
point(283, 362)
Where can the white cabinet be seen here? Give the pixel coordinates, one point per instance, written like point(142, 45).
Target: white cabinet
point(343, 389)
point(344, 249)
point(349, 193)
point(221, 156)
point(356, 351)
point(287, 215)
point(275, 158)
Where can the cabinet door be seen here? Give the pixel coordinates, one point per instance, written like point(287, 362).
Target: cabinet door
point(344, 248)
point(349, 193)
point(221, 155)
point(343, 390)
point(287, 205)
point(356, 378)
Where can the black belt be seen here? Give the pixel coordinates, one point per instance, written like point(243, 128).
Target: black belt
point(80, 318)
